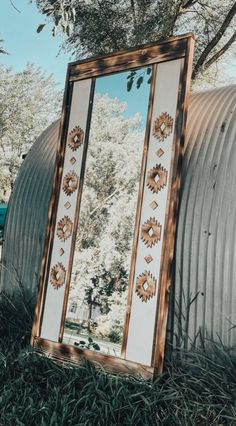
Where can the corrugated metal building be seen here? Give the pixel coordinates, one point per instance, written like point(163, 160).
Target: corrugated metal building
point(205, 270)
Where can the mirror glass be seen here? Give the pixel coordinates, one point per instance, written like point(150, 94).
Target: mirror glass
point(100, 273)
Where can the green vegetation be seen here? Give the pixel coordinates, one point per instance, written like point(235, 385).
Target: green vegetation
point(29, 102)
point(99, 27)
point(198, 388)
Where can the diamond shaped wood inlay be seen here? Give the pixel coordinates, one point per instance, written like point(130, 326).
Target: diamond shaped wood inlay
point(159, 152)
point(61, 251)
point(67, 205)
point(148, 258)
point(73, 160)
point(153, 205)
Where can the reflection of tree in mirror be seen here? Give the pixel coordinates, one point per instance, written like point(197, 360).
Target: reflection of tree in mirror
point(137, 77)
point(106, 223)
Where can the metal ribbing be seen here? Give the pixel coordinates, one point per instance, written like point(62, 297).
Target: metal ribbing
point(206, 240)
point(27, 216)
point(206, 235)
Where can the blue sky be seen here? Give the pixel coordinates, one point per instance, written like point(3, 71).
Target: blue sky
point(24, 44)
point(115, 86)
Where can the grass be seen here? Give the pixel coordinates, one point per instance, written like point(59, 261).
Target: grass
point(197, 388)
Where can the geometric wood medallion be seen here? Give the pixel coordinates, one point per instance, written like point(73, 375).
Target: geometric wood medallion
point(64, 228)
point(151, 232)
point(163, 126)
point(57, 276)
point(157, 178)
point(75, 138)
point(145, 286)
point(70, 183)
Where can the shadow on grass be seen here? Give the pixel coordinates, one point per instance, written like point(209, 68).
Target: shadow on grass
point(198, 387)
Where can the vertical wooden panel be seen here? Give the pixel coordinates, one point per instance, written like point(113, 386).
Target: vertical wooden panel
point(66, 211)
point(159, 162)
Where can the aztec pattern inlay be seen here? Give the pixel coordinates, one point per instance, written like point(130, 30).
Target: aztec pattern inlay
point(76, 137)
point(157, 178)
point(145, 286)
point(70, 183)
point(73, 160)
point(148, 258)
point(64, 228)
point(61, 251)
point(67, 205)
point(58, 275)
point(159, 152)
point(153, 205)
point(151, 232)
point(163, 126)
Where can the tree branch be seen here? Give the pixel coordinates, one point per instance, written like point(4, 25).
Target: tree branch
point(133, 11)
point(11, 1)
point(214, 40)
point(104, 202)
point(188, 4)
point(217, 55)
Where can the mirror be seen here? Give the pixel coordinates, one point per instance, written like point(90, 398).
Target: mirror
point(107, 262)
point(101, 264)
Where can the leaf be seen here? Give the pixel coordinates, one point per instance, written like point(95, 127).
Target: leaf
point(57, 19)
point(90, 339)
point(132, 74)
point(48, 11)
point(139, 81)
point(96, 347)
point(40, 28)
point(68, 30)
point(73, 13)
point(54, 30)
point(130, 84)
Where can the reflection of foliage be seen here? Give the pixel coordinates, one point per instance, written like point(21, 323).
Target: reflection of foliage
point(103, 245)
point(97, 295)
point(90, 344)
point(111, 324)
point(138, 78)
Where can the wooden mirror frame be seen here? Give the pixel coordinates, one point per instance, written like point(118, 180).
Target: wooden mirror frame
point(171, 62)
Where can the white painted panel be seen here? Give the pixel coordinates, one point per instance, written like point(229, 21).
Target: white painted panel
point(55, 296)
point(143, 313)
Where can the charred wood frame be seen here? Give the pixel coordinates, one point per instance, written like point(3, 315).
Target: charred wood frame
point(150, 273)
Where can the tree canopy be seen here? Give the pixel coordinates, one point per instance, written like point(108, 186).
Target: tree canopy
point(29, 102)
point(98, 27)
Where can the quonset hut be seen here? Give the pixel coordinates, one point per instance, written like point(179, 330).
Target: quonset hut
point(204, 280)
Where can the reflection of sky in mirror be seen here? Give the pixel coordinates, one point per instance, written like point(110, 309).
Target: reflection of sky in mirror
point(115, 85)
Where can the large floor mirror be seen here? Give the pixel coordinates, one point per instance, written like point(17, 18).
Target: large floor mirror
point(101, 265)
point(108, 256)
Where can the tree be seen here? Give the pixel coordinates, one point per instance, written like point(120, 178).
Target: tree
point(106, 221)
point(29, 102)
point(97, 27)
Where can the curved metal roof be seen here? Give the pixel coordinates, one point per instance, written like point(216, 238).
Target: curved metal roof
point(206, 234)
point(27, 216)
